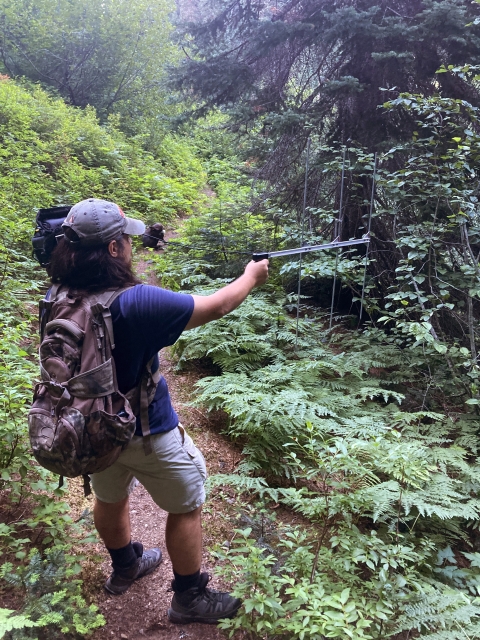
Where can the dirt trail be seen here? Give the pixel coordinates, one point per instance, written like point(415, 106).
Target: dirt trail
point(142, 611)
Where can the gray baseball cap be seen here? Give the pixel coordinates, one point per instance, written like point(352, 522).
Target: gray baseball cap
point(97, 222)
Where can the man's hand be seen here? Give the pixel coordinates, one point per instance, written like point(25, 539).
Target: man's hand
point(218, 304)
point(258, 270)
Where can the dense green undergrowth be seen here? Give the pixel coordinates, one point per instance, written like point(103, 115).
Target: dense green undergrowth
point(371, 434)
point(390, 493)
point(55, 154)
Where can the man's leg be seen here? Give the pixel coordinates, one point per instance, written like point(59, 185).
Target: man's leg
point(183, 534)
point(174, 476)
point(129, 561)
point(183, 537)
point(112, 522)
point(192, 600)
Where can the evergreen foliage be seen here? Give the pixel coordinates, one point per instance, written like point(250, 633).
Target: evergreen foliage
point(301, 66)
point(320, 71)
point(323, 63)
point(53, 607)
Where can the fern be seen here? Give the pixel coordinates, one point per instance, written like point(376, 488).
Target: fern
point(8, 622)
point(442, 614)
point(243, 483)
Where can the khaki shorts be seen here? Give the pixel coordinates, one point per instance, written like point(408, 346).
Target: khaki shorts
point(173, 474)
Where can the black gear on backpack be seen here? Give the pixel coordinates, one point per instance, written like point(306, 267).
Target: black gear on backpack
point(48, 230)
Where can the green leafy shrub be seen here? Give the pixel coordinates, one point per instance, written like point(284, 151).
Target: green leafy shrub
point(52, 598)
point(364, 588)
point(55, 154)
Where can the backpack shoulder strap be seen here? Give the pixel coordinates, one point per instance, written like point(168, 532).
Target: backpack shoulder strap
point(101, 304)
point(45, 306)
point(107, 298)
point(146, 396)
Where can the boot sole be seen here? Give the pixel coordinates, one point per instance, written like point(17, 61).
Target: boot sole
point(120, 590)
point(180, 618)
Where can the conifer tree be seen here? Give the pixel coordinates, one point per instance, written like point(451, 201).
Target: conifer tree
point(288, 70)
point(291, 67)
point(302, 64)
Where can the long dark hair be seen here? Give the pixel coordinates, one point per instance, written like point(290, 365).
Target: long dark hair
point(90, 268)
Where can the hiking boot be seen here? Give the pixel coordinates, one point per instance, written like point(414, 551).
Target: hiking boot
point(121, 579)
point(200, 604)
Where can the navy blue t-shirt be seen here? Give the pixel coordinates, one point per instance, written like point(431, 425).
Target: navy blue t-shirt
point(146, 319)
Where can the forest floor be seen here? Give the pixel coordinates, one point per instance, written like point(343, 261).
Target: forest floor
point(142, 611)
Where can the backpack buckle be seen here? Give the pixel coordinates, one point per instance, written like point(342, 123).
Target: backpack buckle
point(56, 389)
point(98, 308)
point(45, 304)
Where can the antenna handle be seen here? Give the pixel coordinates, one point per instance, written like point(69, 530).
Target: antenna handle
point(256, 257)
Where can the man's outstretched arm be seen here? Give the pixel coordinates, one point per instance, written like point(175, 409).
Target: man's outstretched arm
point(218, 304)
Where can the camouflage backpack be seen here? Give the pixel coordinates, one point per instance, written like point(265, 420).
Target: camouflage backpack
point(79, 421)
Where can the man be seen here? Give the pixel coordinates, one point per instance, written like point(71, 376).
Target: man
point(95, 255)
point(153, 236)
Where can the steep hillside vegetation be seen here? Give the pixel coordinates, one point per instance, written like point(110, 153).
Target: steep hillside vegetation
point(52, 153)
